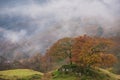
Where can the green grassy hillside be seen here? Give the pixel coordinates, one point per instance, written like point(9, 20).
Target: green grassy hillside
point(100, 74)
point(26, 74)
point(20, 74)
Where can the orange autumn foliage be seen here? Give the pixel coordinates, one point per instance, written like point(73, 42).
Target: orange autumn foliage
point(84, 51)
point(92, 51)
point(61, 50)
point(107, 59)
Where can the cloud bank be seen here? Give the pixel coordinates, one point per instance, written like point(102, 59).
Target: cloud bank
point(35, 24)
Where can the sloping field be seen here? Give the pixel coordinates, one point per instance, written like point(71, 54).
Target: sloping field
point(20, 74)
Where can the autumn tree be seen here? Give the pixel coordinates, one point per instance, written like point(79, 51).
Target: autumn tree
point(84, 51)
point(92, 51)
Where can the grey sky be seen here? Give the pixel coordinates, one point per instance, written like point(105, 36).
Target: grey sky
point(41, 22)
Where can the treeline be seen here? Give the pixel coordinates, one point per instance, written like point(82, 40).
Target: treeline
point(84, 51)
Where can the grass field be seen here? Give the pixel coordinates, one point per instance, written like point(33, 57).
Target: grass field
point(26, 74)
point(102, 74)
point(20, 74)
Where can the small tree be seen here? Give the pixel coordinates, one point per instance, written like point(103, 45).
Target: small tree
point(61, 50)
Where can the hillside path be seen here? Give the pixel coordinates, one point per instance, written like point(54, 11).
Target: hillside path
point(118, 77)
point(47, 76)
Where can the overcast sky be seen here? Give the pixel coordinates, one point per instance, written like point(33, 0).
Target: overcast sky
point(32, 26)
point(20, 19)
